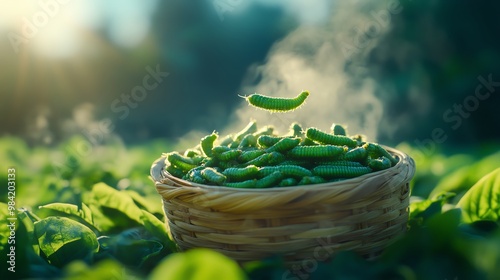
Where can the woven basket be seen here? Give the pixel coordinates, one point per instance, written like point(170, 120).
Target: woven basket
point(363, 214)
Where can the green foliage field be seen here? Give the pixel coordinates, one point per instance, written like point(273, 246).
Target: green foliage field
point(89, 211)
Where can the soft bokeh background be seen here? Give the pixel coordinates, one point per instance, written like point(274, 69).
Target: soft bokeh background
point(389, 69)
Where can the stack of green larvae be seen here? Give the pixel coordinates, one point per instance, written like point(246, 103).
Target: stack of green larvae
point(259, 158)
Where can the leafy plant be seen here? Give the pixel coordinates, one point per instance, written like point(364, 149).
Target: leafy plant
point(63, 240)
point(103, 220)
point(482, 201)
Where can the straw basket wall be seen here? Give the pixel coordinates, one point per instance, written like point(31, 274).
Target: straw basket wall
point(362, 214)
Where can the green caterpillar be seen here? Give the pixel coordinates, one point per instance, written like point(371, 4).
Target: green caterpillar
point(261, 160)
point(287, 170)
point(379, 164)
point(226, 141)
point(191, 153)
point(229, 155)
point(213, 176)
point(337, 129)
point(177, 172)
point(332, 171)
point(268, 140)
point(228, 164)
point(249, 129)
point(250, 155)
point(248, 184)
point(207, 143)
point(276, 104)
point(357, 154)
point(309, 180)
point(302, 163)
point(194, 175)
point(307, 142)
point(182, 162)
point(284, 145)
point(316, 152)
point(326, 138)
point(275, 158)
point(266, 130)
point(235, 144)
point(217, 150)
point(296, 130)
point(288, 182)
point(248, 141)
point(269, 181)
point(209, 162)
point(376, 151)
point(272, 158)
point(359, 138)
point(241, 174)
point(343, 163)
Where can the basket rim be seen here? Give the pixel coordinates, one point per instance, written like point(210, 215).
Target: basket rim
point(159, 175)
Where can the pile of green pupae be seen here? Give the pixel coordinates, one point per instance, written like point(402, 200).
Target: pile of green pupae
point(259, 158)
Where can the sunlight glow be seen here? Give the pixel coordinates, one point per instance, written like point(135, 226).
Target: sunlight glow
point(57, 28)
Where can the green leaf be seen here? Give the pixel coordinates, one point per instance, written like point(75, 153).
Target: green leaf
point(102, 222)
point(135, 247)
point(453, 182)
point(157, 228)
point(28, 262)
point(197, 264)
point(28, 219)
point(421, 210)
point(84, 212)
point(464, 177)
point(109, 197)
point(482, 201)
point(148, 203)
point(63, 240)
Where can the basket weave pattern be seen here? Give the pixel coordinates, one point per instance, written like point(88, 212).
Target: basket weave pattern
point(362, 214)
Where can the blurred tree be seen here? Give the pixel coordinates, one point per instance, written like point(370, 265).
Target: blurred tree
point(429, 66)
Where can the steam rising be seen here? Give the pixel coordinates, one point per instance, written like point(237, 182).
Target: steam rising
point(311, 58)
point(320, 56)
